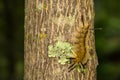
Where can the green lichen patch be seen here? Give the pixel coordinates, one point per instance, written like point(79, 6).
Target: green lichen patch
point(42, 35)
point(65, 20)
point(41, 6)
point(61, 50)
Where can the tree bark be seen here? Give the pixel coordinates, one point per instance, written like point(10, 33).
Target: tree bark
point(45, 21)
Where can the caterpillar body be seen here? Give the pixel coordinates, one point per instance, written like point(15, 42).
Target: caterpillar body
point(79, 46)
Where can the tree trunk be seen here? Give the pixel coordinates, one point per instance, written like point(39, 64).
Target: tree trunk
point(48, 21)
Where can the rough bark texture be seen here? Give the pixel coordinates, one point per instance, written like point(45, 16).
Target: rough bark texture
point(45, 20)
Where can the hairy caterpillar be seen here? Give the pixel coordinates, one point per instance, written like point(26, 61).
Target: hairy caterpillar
point(79, 46)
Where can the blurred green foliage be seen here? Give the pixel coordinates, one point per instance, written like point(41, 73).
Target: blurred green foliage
point(12, 39)
point(108, 39)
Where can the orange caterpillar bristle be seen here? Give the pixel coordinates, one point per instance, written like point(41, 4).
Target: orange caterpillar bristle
point(79, 45)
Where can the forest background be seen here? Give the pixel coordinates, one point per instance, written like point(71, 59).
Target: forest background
point(107, 17)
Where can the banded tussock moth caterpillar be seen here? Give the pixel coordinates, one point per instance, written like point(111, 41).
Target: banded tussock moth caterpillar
point(79, 46)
